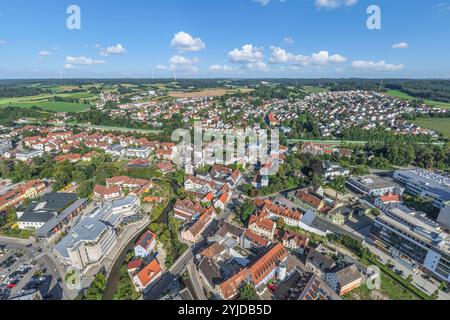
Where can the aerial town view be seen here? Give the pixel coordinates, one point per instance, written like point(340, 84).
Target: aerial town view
point(242, 150)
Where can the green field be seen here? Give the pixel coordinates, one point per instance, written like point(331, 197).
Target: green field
point(401, 95)
point(441, 125)
point(46, 102)
point(119, 129)
point(330, 142)
point(311, 89)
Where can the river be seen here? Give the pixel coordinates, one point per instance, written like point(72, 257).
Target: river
point(114, 276)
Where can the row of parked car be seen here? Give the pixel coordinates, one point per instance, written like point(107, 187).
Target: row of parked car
point(9, 279)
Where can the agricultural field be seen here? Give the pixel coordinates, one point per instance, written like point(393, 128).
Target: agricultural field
point(199, 94)
point(118, 129)
point(47, 102)
point(311, 89)
point(207, 93)
point(441, 125)
point(401, 95)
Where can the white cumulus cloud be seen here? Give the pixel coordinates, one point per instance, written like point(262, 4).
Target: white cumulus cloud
point(333, 4)
point(401, 45)
point(82, 61)
point(322, 58)
point(44, 54)
point(376, 66)
point(266, 2)
point(220, 68)
point(183, 64)
point(247, 54)
point(185, 42)
point(118, 49)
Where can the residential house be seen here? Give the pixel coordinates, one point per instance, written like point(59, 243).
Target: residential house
point(145, 244)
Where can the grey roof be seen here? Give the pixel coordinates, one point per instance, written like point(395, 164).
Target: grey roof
point(348, 275)
point(320, 260)
point(231, 229)
point(88, 229)
point(52, 223)
point(41, 217)
point(211, 271)
point(48, 207)
point(123, 201)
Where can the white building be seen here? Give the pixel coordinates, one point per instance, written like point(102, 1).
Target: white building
point(429, 184)
point(95, 234)
point(372, 185)
point(414, 235)
point(138, 152)
point(28, 155)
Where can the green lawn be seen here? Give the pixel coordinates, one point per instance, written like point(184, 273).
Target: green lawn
point(51, 106)
point(311, 89)
point(390, 290)
point(107, 128)
point(401, 95)
point(46, 102)
point(441, 125)
point(331, 142)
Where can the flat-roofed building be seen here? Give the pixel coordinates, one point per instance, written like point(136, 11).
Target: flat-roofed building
point(94, 235)
point(344, 280)
point(429, 184)
point(371, 185)
point(414, 235)
point(87, 243)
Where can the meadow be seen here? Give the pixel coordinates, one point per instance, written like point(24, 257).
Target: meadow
point(311, 89)
point(401, 95)
point(47, 102)
point(441, 125)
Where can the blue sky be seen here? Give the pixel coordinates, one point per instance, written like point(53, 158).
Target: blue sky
point(232, 38)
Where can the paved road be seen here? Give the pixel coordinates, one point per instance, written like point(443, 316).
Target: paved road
point(196, 281)
point(155, 291)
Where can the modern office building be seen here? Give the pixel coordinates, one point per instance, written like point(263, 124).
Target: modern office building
point(372, 185)
point(88, 242)
point(96, 233)
point(429, 184)
point(410, 233)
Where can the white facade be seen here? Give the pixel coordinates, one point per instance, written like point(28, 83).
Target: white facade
point(28, 155)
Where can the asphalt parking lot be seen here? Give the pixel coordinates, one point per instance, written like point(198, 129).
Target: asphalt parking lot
point(21, 274)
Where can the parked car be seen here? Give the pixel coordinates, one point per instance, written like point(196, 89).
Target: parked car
point(399, 272)
point(11, 285)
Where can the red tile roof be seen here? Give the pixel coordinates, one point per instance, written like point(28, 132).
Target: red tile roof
point(391, 198)
point(105, 191)
point(280, 211)
point(253, 237)
point(149, 273)
point(309, 199)
point(256, 272)
point(135, 264)
point(266, 264)
point(262, 223)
